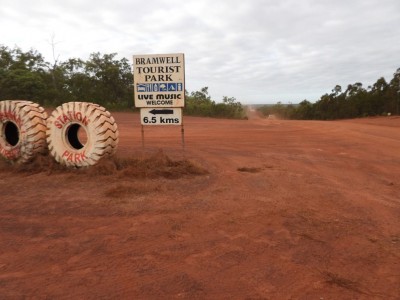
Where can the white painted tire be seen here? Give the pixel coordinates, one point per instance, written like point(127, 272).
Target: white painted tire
point(22, 130)
point(79, 134)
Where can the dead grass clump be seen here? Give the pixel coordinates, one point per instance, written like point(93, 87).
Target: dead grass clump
point(137, 188)
point(40, 164)
point(4, 165)
point(105, 166)
point(338, 280)
point(249, 170)
point(153, 166)
point(156, 166)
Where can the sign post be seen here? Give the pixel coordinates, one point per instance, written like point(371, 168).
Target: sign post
point(159, 83)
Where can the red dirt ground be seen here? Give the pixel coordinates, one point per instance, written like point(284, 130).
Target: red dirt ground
point(288, 210)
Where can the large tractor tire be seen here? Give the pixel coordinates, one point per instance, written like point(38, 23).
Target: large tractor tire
point(79, 134)
point(22, 130)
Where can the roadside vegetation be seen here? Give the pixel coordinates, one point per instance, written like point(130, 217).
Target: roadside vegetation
point(102, 79)
point(382, 98)
point(199, 103)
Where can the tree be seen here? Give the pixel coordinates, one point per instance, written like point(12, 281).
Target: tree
point(201, 96)
point(199, 103)
point(305, 110)
point(22, 75)
point(77, 84)
point(111, 79)
point(337, 90)
point(234, 107)
point(102, 79)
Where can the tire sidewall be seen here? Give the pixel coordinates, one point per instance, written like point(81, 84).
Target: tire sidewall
point(21, 151)
point(8, 151)
point(59, 129)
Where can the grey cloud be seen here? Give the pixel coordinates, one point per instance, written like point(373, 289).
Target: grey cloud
point(255, 50)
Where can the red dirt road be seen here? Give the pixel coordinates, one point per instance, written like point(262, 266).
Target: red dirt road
point(289, 210)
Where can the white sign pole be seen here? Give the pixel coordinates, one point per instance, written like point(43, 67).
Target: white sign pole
point(183, 139)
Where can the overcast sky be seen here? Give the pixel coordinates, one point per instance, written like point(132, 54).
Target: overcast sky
point(258, 51)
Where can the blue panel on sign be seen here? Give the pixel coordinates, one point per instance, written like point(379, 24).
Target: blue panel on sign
point(171, 87)
point(141, 87)
point(159, 87)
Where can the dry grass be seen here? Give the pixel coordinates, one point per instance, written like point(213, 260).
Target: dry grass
point(338, 280)
point(41, 163)
point(249, 170)
point(137, 188)
point(157, 165)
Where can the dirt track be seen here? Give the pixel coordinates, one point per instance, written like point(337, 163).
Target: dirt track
point(289, 210)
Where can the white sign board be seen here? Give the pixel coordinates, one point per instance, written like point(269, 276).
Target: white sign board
point(161, 116)
point(159, 80)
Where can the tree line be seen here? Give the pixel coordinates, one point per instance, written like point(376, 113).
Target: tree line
point(102, 78)
point(200, 103)
point(382, 98)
